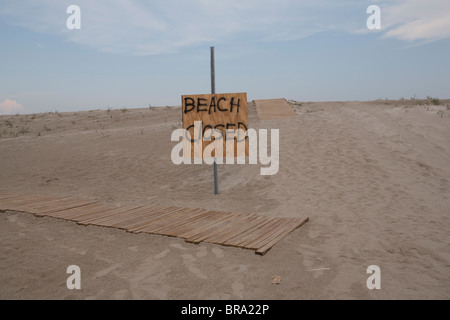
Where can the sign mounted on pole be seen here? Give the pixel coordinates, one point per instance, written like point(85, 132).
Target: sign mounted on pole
point(220, 118)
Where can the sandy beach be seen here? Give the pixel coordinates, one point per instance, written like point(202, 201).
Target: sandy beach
point(373, 177)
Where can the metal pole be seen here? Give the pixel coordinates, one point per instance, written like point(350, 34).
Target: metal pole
point(216, 184)
point(213, 91)
point(213, 80)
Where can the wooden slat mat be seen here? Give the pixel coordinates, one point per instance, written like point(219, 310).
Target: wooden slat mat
point(249, 231)
point(269, 109)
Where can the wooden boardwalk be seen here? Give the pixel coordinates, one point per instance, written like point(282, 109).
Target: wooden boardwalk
point(249, 231)
point(269, 109)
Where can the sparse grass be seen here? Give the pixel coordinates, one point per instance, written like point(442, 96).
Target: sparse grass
point(295, 103)
point(8, 123)
point(434, 101)
point(23, 130)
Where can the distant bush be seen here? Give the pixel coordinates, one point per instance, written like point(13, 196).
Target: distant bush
point(434, 101)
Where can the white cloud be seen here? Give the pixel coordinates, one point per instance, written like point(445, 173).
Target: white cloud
point(413, 20)
point(141, 27)
point(10, 107)
point(162, 26)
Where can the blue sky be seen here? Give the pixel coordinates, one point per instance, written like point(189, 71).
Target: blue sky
point(138, 53)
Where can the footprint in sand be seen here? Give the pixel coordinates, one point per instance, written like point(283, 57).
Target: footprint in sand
point(161, 255)
point(13, 218)
point(188, 261)
point(217, 252)
point(72, 249)
point(108, 270)
point(110, 238)
point(201, 252)
point(178, 246)
point(234, 269)
point(149, 280)
point(238, 289)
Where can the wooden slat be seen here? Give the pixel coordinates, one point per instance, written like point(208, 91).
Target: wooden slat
point(7, 195)
point(250, 231)
point(223, 222)
point(135, 225)
point(267, 246)
point(91, 220)
point(219, 233)
point(269, 235)
point(18, 199)
point(149, 214)
point(105, 219)
point(200, 225)
point(91, 213)
point(150, 219)
point(190, 224)
point(30, 207)
point(129, 215)
point(73, 213)
point(134, 216)
point(119, 216)
point(166, 220)
point(259, 232)
point(57, 206)
point(16, 202)
point(240, 233)
point(250, 221)
point(269, 109)
point(234, 241)
point(173, 220)
point(35, 206)
point(175, 227)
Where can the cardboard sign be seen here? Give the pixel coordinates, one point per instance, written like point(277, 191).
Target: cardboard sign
point(221, 112)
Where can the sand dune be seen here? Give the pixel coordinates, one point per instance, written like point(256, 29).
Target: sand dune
point(374, 178)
